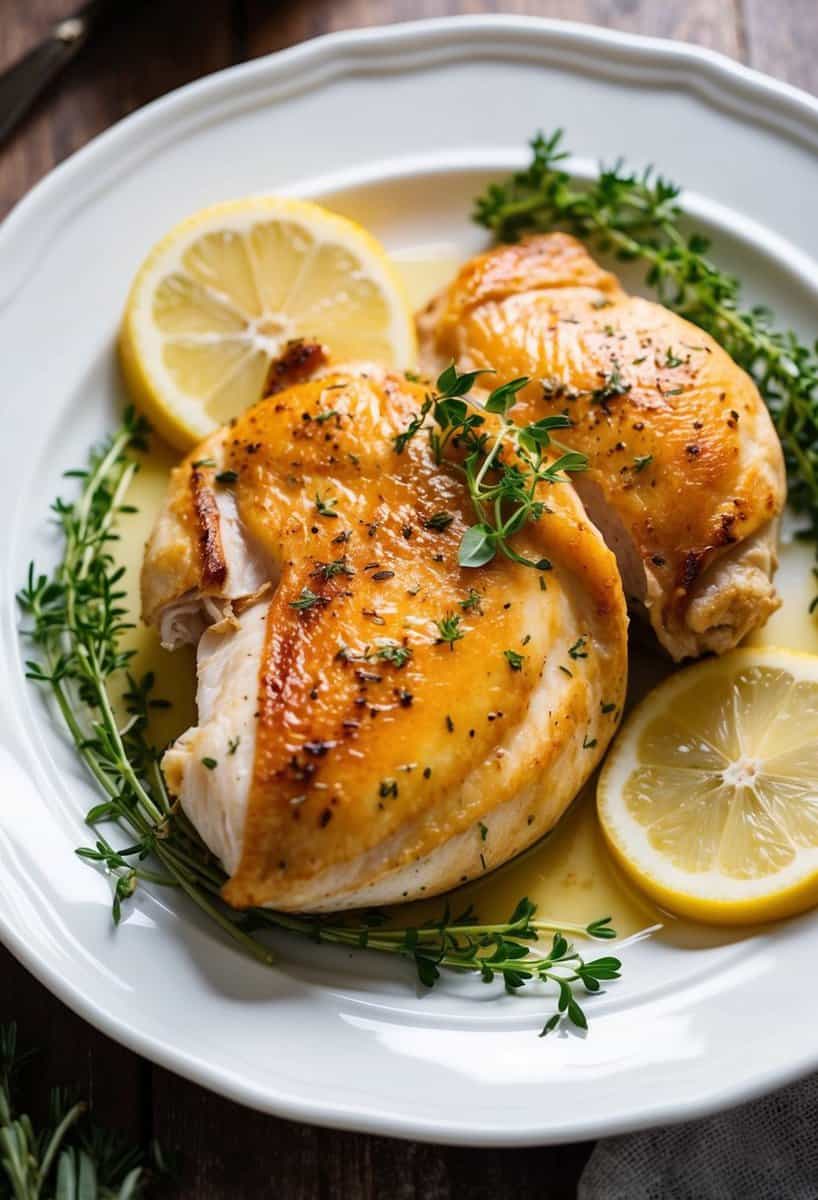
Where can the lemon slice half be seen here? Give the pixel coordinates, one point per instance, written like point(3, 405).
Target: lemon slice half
point(709, 798)
point(219, 297)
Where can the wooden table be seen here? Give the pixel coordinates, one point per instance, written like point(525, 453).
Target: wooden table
point(228, 1151)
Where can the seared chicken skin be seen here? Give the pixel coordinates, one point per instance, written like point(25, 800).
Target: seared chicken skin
point(686, 478)
point(346, 753)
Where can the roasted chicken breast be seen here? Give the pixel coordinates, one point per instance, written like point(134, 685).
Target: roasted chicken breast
point(686, 478)
point(362, 736)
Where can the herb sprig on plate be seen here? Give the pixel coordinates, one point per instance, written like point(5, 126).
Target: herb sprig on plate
point(498, 951)
point(637, 216)
point(75, 619)
point(503, 469)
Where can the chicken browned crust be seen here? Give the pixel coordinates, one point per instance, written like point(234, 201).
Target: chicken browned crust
point(360, 757)
point(686, 477)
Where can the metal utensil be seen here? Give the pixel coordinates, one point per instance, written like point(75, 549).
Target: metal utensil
point(23, 81)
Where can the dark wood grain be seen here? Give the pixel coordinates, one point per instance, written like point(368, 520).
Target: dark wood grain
point(69, 1052)
point(230, 1153)
point(303, 1163)
point(710, 23)
point(147, 51)
point(782, 39)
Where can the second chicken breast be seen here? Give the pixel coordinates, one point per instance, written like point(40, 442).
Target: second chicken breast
point(686, 478)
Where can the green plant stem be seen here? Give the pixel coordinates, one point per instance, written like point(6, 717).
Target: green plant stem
point(56, 1140)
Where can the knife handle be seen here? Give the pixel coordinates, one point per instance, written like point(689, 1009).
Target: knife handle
point(23, 81)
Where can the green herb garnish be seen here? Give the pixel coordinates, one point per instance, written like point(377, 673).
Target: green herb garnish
point(503, 492)
point(329, 570)
point(393, 652)
point(448, 630)
point(472, 602)
point(307, 599)
point(612, 386)
point(325, 505)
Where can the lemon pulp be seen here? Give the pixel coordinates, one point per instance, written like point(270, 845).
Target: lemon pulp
point(225, 291)
point(709, 797)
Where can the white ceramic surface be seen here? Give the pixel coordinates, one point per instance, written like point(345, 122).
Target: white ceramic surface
point(403, 125)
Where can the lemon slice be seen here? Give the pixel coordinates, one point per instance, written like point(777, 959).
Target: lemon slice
point(221, 295)
point(709, 798)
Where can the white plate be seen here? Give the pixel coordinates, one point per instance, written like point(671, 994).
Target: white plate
point(407, 123)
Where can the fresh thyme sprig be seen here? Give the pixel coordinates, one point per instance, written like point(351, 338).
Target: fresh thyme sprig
point(503, 471)
point(637, 217)
point(69, 1157)
point(501, 950)
point(449, 631)
point(75, 620)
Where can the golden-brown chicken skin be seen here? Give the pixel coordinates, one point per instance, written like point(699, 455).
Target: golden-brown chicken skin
point(359, 756)
point(686, 476)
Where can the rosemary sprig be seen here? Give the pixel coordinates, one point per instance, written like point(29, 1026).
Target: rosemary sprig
point(69, 1157)
point(75, 619)
point(637, 217)
point(503, 471)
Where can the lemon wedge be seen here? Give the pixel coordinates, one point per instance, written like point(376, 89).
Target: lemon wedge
point(219, 297)
point(709, 798)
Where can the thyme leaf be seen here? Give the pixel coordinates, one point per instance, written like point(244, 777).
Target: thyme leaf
point(307, 599)
point(503, 472)
point(393, 652)
point(448, 630)
point(325, 505)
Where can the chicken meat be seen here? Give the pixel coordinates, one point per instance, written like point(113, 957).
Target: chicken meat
point(686, 476)
point(362, 736)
